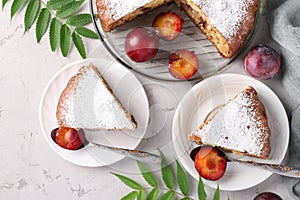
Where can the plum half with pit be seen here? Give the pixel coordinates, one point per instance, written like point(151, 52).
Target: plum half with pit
point(262, 62)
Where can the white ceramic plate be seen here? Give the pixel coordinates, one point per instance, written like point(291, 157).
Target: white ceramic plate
point(128, 90)
point(207, 95)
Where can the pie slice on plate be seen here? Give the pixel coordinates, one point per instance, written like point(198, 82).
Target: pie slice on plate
point(88, 102)
point(241, 127)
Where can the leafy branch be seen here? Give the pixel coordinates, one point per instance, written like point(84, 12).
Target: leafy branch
point(61, 17)
point(166, 192)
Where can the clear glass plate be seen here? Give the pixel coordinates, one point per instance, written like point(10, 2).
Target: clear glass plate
point(191, 38)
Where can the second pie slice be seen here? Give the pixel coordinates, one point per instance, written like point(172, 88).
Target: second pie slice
point(241, 127)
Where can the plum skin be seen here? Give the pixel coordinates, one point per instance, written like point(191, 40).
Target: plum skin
point(141, 44)
point(262, 62)
point(267, 196)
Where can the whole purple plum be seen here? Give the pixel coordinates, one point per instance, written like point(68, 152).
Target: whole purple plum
point(267, 196)
point(262, 62)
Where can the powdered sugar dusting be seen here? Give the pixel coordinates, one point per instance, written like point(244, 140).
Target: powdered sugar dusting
point(92, 106)
point(120, 8)
point(225, 15)
point(237, 126)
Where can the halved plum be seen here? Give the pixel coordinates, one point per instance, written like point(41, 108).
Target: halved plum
point(168, 25)
point(69, 138)
point(210, 163)
point(183, 64)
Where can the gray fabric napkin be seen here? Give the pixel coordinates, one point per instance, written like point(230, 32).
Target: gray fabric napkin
point(284, 21)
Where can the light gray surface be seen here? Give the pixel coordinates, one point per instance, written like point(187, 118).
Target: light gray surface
point(284, 19)
point(29, 168)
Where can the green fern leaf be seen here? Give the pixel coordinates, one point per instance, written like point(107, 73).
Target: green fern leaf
point(42, 24)
point(166, 172)
point(57, 4)
point(182, 180)
point(4, 3)
point(201, 191)
point(153, 194)
point(65, 40)
point(141, 195)
point(86, 32)
point(16, 6)
point(130, 196)
point(217, 194)
point(79, 44)
point(148, 176)
point(129, 182)
point(168, 196)
point(79, 20)
point(31, 13)
point(68, 9)
point(54, 33)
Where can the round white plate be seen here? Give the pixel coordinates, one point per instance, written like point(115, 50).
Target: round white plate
point(207, 95)
point(128, 90)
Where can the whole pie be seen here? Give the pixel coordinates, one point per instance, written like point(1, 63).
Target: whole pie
point(226, 23)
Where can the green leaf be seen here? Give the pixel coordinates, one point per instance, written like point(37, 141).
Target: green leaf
point(31, 12)
point(166, 172)
point(168, 196)
point(148, 176)
point(129, 182)
point(130, 196)
point(182, 180)
point(86, 32)
point(16, 6)
point(42, 24)
point(153, 194)
point(79, 20)
point(54, 33)
point(65, 40)
point(217, 194)
point(79, 44)
point(4, 3)
point(57, 4)
point(201, 191)
point(141, 195)
point(68, 9)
